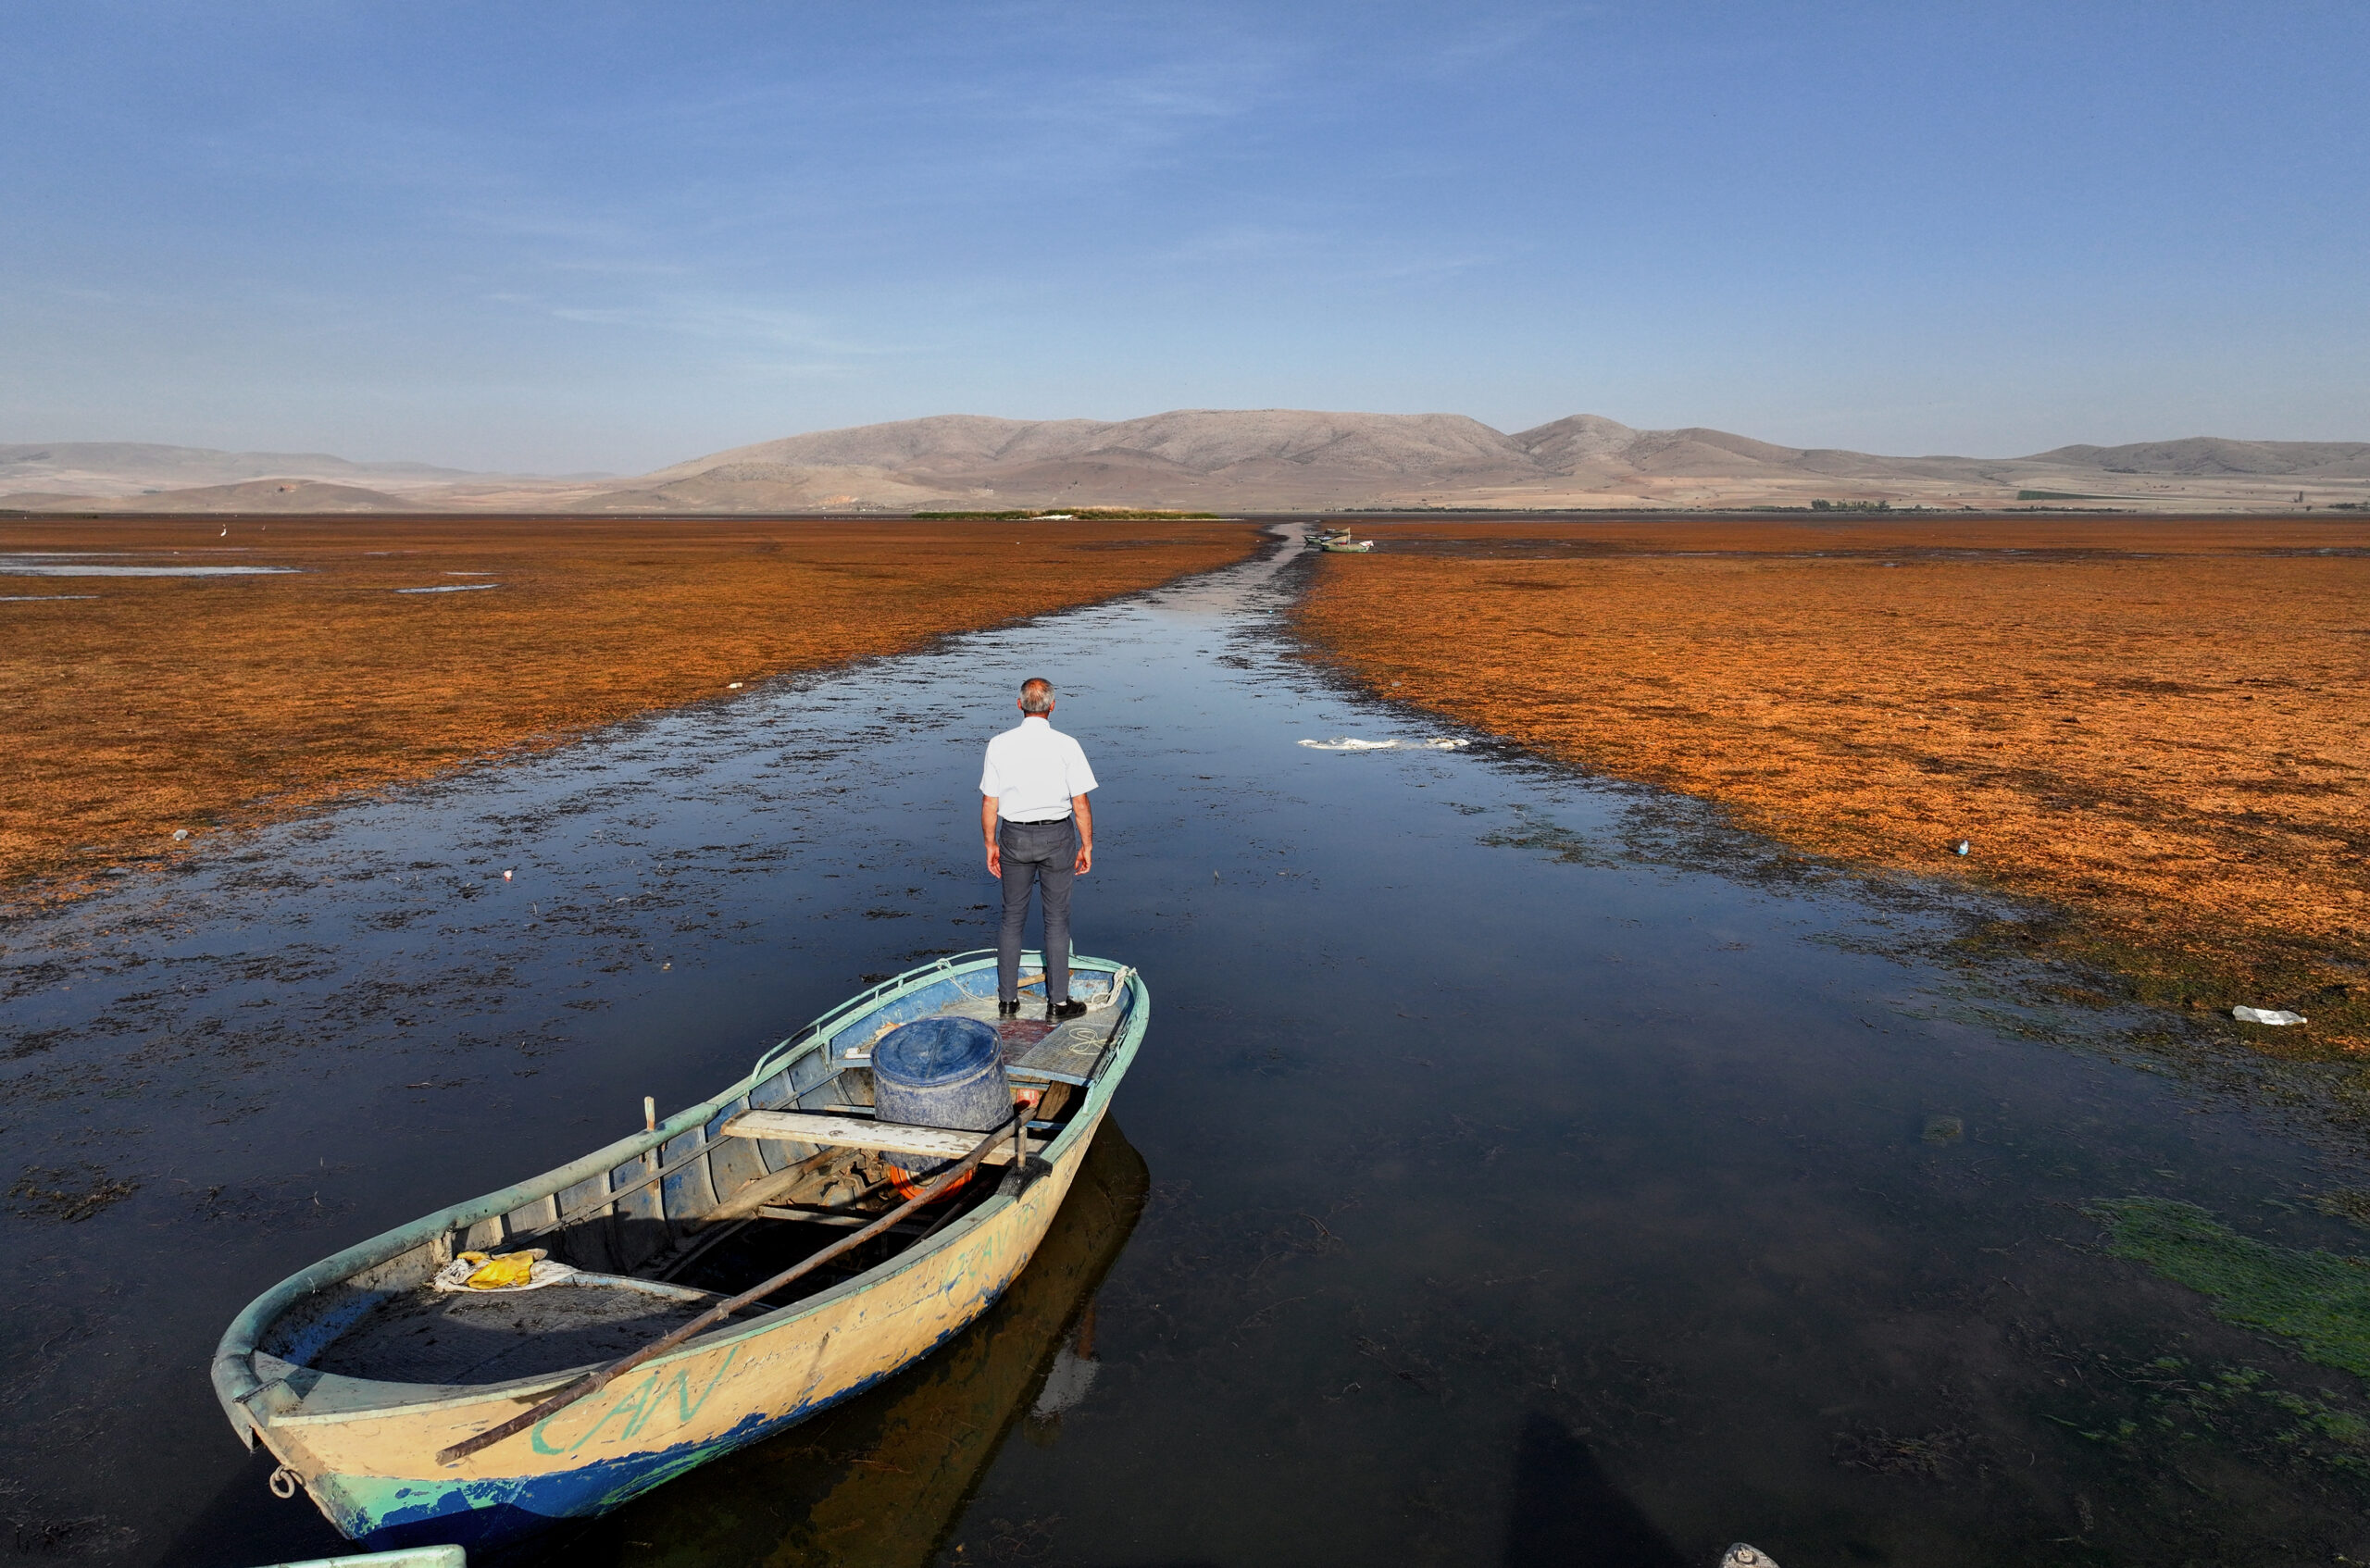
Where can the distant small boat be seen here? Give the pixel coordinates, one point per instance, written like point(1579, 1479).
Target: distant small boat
point(359, 1372)
point(1339, 542)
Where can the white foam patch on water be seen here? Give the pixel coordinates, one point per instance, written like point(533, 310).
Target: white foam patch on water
point(41, 598)
point(450, 588)
point(1352, 743)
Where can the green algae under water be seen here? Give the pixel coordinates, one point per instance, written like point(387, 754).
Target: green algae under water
point(2320, 1301)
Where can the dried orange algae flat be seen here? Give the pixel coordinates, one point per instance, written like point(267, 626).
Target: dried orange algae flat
point(2161, 726)
point(170, 703)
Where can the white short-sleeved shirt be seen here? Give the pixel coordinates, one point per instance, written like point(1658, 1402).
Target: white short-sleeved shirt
point(1032, 771)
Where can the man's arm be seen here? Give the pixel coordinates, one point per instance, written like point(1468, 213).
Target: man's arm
point(988, 831)
point(1085, 816)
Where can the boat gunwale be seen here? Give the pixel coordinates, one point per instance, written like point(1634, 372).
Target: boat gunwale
point(235, 1378)
point(461, 1395)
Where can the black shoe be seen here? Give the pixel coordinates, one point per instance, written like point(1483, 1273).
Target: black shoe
point(1008, 1009)
point(1061, 1010)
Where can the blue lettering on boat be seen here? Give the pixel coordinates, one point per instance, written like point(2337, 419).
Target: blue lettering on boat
point(639, 1405)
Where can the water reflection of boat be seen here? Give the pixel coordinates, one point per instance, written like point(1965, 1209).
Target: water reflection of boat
point(368, 1384)
point(881, 1481)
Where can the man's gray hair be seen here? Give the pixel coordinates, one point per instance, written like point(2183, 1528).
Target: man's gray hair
point(1037, 695)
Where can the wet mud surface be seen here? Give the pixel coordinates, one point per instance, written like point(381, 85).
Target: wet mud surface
point(1526, 1161)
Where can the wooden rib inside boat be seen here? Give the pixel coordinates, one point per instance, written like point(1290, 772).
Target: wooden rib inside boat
point(359, 1372)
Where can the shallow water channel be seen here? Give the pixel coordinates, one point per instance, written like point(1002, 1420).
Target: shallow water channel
point(1519, 1168)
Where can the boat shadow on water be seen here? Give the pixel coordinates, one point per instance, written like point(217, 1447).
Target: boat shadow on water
point(882, 1480)
point(885, 1481)
point(1566, 1513)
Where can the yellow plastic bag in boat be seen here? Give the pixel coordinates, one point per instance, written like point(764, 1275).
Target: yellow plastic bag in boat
point(510, 1271)
point(505, 1273)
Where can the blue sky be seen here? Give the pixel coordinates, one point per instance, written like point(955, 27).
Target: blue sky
point(594, 235)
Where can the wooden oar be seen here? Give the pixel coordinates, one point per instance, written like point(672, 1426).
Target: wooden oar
point(594, 1381)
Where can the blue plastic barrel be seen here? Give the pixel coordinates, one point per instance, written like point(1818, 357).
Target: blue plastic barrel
point(941, 1073)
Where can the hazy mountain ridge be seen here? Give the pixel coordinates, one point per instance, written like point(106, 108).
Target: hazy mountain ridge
point(104, 469)
point(747, 485)
point(1233, 460)
point(2208, 454)
point(150, 462)
point(302, 496)
point(1282, 459)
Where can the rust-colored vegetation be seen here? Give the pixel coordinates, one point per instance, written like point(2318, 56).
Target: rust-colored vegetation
point(2161, 726)
point(200, 702)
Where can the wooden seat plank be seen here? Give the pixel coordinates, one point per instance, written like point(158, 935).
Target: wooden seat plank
point(851, 1132)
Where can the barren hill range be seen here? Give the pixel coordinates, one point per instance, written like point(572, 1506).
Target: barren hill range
point(144, 476)
point(1221, 460)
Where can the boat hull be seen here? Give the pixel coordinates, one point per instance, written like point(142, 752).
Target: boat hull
point(719, 1393)
point(364, 1448)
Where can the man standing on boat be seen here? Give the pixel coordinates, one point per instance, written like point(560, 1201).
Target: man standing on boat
point(1040, 834)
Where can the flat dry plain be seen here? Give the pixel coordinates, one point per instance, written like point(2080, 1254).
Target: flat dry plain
point(2161, 726)
point(204, 702)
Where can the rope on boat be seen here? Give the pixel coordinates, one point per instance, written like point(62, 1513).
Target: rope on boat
point(1117, 992)
point(1016, 1126)
point(282, 1483)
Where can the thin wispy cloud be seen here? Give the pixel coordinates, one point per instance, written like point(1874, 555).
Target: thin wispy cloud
point(1491, 41)
point(719, 320)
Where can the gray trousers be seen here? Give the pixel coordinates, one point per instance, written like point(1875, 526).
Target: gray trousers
point(1044, 855)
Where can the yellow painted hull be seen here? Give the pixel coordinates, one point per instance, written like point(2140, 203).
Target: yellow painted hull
point(719, 1392)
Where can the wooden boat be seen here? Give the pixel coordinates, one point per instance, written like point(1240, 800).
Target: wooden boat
point(358, 1371)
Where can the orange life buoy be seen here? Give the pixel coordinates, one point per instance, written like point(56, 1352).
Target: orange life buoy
point(910, 1187)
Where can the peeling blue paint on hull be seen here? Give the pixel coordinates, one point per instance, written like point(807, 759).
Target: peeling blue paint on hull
point(382, 1513)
